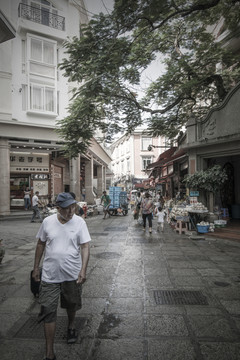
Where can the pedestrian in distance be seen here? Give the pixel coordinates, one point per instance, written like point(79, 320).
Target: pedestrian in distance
point(64, 239)
point(48, 208)
point(147, 211)
point(50, 204)
point(27, 200)
point(160, 214)
point(137, 209)
point(83, 194)
point(35, 208)
point(105, 199)
point(79, 210)
point(161, 201)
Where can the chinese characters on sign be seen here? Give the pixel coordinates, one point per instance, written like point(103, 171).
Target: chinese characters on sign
point(29, 163)
point(40, 176)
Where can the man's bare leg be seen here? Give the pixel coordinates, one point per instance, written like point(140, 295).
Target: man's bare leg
point(71, 319)
point(72, 332)
point(49, 330)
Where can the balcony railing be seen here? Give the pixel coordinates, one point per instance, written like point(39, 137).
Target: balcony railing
point(41, 16)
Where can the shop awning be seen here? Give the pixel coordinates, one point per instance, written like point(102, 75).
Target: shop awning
point(138, 186)
point(168, 158)
point(162, 158)
point(180, 155)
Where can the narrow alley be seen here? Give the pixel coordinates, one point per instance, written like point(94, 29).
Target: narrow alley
point(147, 297)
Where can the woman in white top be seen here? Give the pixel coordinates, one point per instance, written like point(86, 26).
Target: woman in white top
point(147, 211)
point(27, 202)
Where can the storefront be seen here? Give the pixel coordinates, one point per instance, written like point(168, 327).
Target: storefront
point(28, 170)
point(18, 183)
point(169, 171)
point(215, 140)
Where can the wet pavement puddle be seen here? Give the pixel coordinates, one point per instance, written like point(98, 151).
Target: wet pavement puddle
point(109, 322)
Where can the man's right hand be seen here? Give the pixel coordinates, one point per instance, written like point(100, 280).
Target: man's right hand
point(36, 274)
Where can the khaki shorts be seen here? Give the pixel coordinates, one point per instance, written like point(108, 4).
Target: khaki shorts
point(70, 294)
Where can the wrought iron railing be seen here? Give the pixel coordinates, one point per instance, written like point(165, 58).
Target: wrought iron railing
point(41, 16)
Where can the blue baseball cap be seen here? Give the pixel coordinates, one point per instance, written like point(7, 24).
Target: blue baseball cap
point(64, 200)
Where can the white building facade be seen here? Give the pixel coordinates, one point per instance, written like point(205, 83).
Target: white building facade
point(131, 154)
point(34, 95)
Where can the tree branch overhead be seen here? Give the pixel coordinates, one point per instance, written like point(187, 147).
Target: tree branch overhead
point(115, 50)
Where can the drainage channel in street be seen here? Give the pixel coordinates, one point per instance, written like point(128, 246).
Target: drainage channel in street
point(179, 297)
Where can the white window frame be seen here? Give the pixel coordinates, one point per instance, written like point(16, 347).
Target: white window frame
point(128, 146)
point(128, 165)
point(23, 56)
point(122, 167)
point(42, 81)
point(43, 107)
point(146, 160)
point(122, 148)
point(41, 61)
point(143, 145)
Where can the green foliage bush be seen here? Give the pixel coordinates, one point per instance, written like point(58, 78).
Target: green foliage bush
point(211, 179)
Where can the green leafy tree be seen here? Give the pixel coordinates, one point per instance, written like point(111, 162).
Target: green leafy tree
point(116, 49)
point(210, 180)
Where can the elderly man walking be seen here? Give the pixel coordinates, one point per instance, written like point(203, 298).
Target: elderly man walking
point(64, 239)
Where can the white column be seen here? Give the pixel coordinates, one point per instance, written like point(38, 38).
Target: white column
point(104, 178)
point(100, 184)
point(5, 177)
point(89, 181)
point(75, 177)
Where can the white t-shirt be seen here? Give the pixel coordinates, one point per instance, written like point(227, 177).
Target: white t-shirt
point(160, 216)
point(27, 194)
point(62, 260)
point(34, 200)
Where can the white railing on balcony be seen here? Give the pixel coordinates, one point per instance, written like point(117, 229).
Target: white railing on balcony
point(41, 16)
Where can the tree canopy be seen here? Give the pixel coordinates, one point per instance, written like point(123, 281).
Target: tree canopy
point(194, 71)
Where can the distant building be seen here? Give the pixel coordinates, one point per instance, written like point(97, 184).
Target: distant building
point(131, 154)
point(215, 140)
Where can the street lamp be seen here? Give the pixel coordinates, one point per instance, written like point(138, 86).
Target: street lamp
point(160, 146)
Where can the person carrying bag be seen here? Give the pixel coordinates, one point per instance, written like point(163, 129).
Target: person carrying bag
point(147, 210)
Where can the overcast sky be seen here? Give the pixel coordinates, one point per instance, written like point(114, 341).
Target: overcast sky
point(97, 6)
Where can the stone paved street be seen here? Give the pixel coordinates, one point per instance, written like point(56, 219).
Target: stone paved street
point(131, 310)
